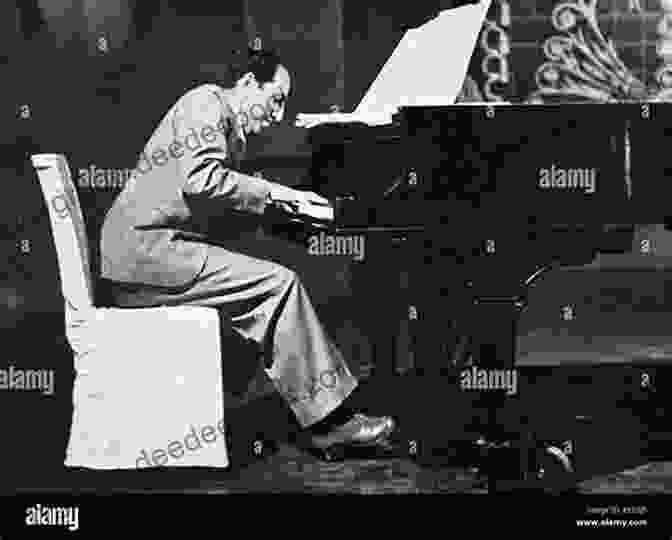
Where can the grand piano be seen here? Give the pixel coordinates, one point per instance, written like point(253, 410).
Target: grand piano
point(463, 186)
point(475, 201)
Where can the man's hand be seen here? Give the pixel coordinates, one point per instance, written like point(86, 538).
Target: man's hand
point(284, 194)
point(316, 206)
point(305, 203)
point(308, 197)
point(280, 193)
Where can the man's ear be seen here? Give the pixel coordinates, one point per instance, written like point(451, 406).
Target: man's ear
point(247, 80)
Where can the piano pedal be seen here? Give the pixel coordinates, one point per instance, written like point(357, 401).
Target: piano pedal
point(554, 472)
point(505, 468)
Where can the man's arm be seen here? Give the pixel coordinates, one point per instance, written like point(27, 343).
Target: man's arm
point(211, 185)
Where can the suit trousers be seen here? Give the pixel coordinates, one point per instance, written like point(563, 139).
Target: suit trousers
point(267, 303)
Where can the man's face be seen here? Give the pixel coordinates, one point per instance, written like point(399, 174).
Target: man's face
point(264, 105)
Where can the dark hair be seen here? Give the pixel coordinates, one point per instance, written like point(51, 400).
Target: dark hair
point(262, 63)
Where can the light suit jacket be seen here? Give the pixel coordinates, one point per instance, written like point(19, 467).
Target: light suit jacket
point(184, 178)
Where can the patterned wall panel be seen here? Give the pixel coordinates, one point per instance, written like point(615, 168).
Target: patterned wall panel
point(578, 49)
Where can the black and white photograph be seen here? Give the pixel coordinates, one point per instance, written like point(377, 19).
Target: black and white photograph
point(328, 248)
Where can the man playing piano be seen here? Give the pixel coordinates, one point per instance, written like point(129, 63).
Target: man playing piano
point(156, 247)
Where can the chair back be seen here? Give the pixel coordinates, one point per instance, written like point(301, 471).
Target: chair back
point(68, 229)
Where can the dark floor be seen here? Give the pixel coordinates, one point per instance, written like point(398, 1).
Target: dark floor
point(579, 382)
point(291, 471)
point(616, 448)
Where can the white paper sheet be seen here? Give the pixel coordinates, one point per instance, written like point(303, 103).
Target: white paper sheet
point(446, 41)
point(407, 79)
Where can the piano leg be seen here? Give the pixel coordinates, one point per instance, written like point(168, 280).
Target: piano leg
point(432, 333)
point(382, 303)
point(511, 454)
point(437, 289)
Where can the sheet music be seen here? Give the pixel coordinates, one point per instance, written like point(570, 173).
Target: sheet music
point(406, 79)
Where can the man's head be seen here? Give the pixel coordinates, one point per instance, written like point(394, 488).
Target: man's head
point(262, 88)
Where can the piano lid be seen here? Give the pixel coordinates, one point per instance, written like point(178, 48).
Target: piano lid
point(405, 79)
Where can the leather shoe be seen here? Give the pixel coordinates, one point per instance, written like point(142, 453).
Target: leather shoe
point(359, 431)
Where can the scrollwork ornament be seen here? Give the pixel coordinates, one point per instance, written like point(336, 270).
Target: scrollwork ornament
point(583, 65)
point(495, 64)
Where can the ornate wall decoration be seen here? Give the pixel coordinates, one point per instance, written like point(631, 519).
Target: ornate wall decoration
point(496, 45)
point(583, 65)
point(664, 50)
